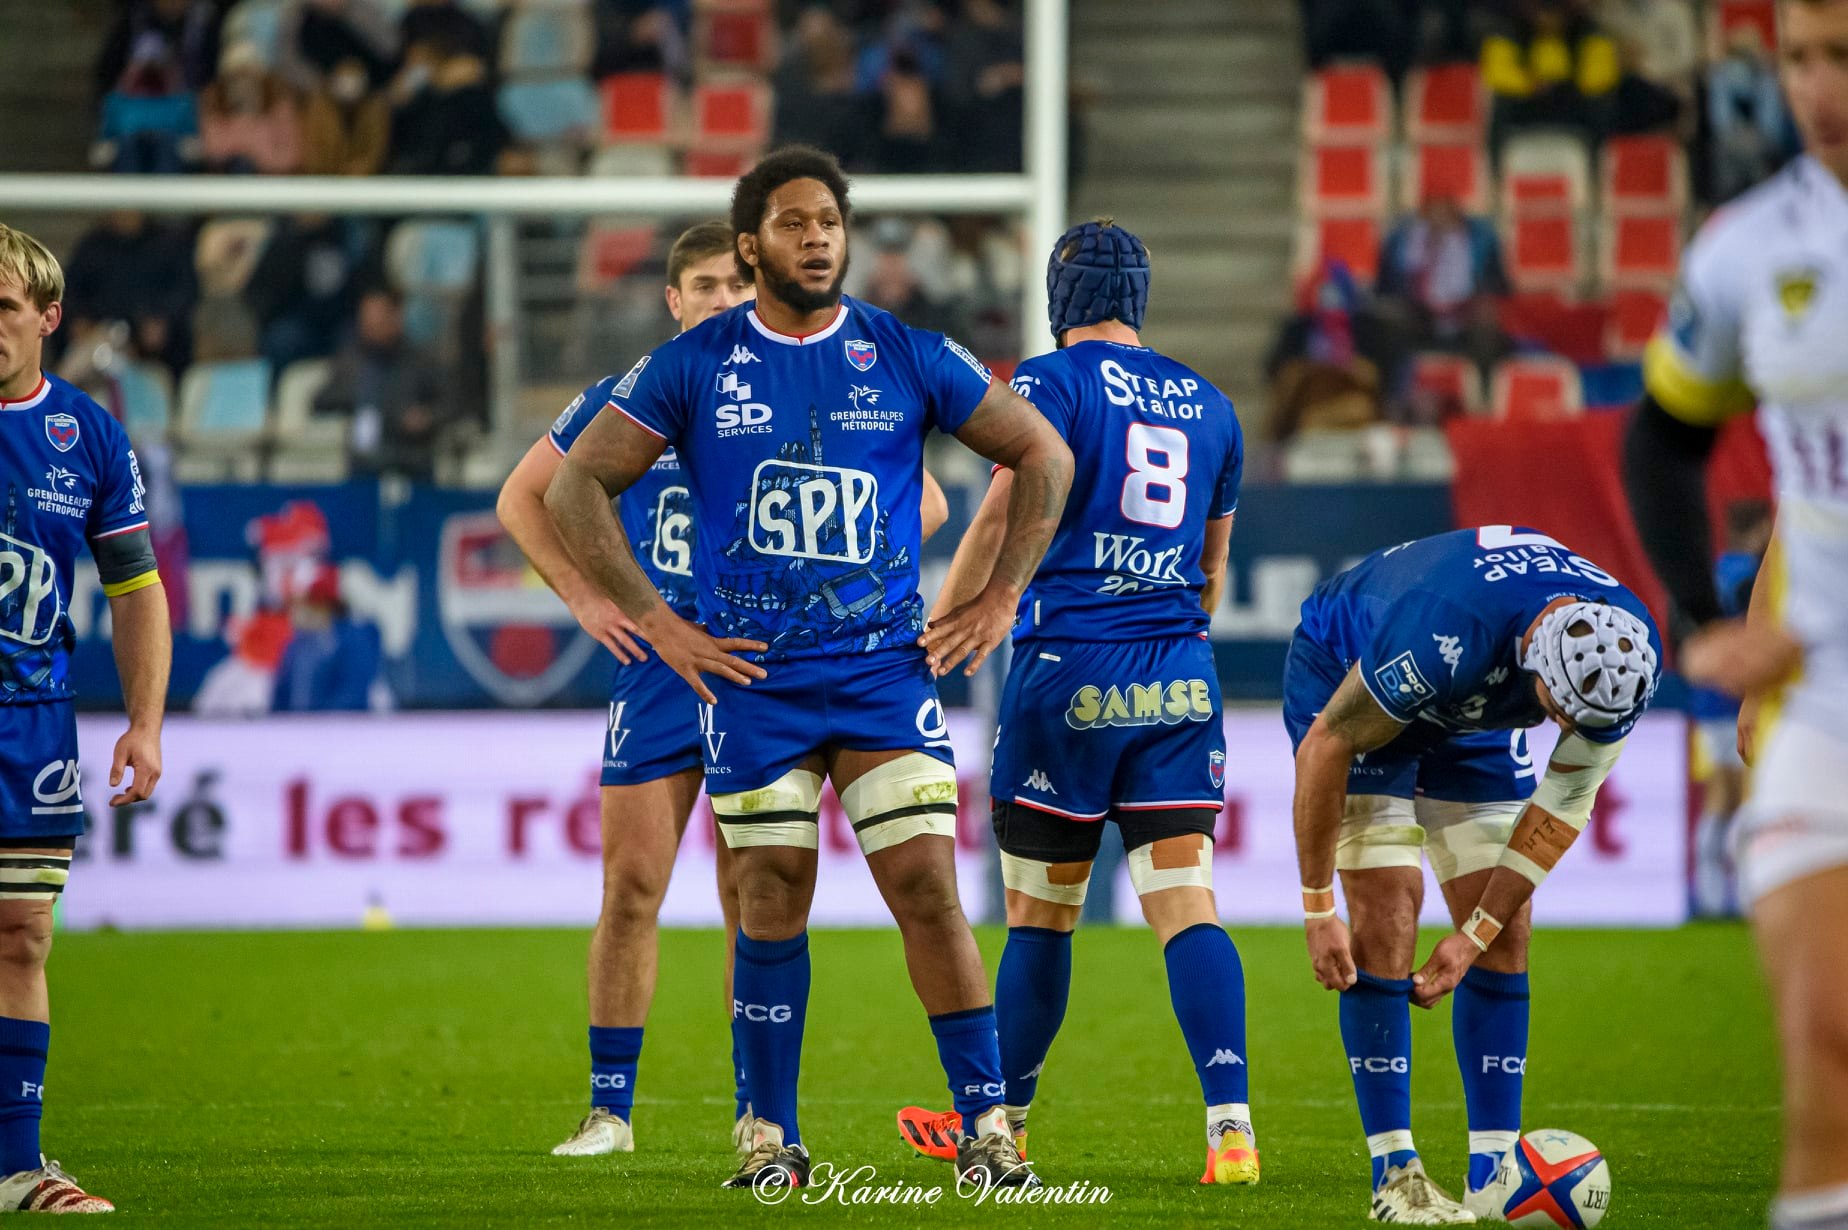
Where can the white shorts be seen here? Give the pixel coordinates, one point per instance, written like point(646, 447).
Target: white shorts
point(1796, 822)
point(1459, 838)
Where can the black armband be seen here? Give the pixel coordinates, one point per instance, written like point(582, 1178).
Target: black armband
point(125, 562)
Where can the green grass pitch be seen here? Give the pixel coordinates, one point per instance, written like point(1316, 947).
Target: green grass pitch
point(420, 1077)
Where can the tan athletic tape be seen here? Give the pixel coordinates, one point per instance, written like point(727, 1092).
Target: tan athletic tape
point(1035, 879)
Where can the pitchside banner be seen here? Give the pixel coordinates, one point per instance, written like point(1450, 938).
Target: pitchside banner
point(492, 819)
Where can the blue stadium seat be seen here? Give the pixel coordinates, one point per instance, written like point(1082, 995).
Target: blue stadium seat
point(547, 39)
point(147, 399)
point(540, 111)
point(258, 22)
point(224, 419)
point(432, 257)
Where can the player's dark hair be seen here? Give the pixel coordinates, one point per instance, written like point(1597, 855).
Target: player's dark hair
point(698, 243)
point(752, 195)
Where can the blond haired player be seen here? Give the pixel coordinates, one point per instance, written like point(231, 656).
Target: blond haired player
point(1762, 311)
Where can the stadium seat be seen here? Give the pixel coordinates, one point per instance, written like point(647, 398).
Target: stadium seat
point(1325, 457)
point(1444, 104)
point(1542, 252)
point(310, 447)
point(223, 327)
point(637, 108)
point(1425, 457)
point(257, 22)
point(1639, 247)
point(1460, 172)
point(715, 164)
point(224, 412)
point(146, 391)
point(734, 38)
point(432, 257)
point(546, 40)
point(1535, 388)
point(1543, 170)
point(612, 250)
point(1449, 381)
point(631, 161)
point(1635, 311)
point(1731, 20)
point(1644, 175)
point(226, 251)
point(1355, 242)
point(1347, 104)
point(563, 109)
point(733, 115)
point(1343, 179)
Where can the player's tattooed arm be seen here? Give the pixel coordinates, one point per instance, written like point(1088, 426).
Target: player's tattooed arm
point(606, 460)
point(1213, 560)
point(1007, 430)
point(1351, 723)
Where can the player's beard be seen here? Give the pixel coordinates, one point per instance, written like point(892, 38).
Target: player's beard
point(792, 293)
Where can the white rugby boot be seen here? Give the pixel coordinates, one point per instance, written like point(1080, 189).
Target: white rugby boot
point(1409, 1198)
point(599, 1133)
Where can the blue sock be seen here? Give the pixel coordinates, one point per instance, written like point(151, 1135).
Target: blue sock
point(770, 991)
point(1207, 984)
point(22, 1091)
point(614, 1053)
point(741, 1096)
point(971, 1059)
point(1031, 989)
point(1489, 1026)
point(1376, 1029)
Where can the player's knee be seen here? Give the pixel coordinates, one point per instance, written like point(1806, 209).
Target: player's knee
point(923, 894)
point(25, 939)
point(632, 896)
point(913, 795)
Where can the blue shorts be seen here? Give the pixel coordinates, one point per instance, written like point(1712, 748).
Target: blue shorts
point(885, 700)
point(1089, 728)
point(40, 791)
point(1485, 766)
point(653, 727)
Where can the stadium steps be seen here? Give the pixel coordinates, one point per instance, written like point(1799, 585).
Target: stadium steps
point(47, 115)
point(1192, 141)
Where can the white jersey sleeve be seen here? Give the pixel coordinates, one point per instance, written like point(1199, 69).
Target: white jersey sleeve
point(1694, 367)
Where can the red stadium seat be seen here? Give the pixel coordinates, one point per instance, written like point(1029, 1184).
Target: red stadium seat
point(715, 164)
point(1644, 175)
point(732, 115)
point(1734, 20)
point(1536, 389)
point(1353, 241)
point(1343, 179)
point(1635, 313)
point(1347, 104)
point(636, 108)
point(731, 38)
point(1640, 247)
point(1460, 172)
point(1448, 380)
point(1542, 251)
point(612, 251)
point(1444, 103)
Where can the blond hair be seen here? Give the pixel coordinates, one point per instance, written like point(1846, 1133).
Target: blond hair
point(25, 260)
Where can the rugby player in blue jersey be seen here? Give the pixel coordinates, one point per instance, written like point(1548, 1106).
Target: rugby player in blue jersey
point(1408, 690)
point(70, 479)
point(1111, 709)
point(799, 422)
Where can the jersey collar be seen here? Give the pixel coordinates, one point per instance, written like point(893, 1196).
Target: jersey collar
point(32, 399)
point(805, 339)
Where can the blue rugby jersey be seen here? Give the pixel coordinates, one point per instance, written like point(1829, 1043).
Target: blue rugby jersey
point(656, 513)
point(1436, 624)
point(70, 478)
point(805, 460)
point(1157, 453)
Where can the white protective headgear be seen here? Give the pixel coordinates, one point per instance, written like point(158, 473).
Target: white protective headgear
point(1595, 659)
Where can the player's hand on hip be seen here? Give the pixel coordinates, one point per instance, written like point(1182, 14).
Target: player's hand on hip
point(612, 629)
point(1449, 961)
point(1740, 660)
point(692, 651)
point(137, 755)
point(971, 631)
point(1331, 952)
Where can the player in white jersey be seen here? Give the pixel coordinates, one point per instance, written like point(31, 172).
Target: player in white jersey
point(1762, 312)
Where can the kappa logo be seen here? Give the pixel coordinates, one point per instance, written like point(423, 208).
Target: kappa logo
point(1450, 648)
point(1037, 780)
point(626, 385)
point(741, 355)
point(1224, 1056)
point(1401, 681)
point(61, 430)
point(862, 354)
point(1498, 675)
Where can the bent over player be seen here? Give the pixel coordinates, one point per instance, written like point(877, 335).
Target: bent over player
point(1762, 309)
point(70, 478)
point(1407, 692)
point(799, 422)
point(1111, 708)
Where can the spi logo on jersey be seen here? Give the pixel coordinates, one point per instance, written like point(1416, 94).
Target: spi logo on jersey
point(808, 511)
point(1141, 704)
point(1400, 679)
point(862, 354)
point(29, 587)
point(672, 547)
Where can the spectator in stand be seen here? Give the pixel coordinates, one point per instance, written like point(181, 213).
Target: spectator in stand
point(815, 99)
point(150, 121)
point(248, 119)
point(318, 34)
point(183, 32)
point(346, 125)
point(1382, 31)
point(1657, 40)
point(1750, 133)
point(445, 24)
point(331, 663)
point(984, 75)
point(303, 287)
point(1440, 278)
point(390, 391)
point(640, 36)
point(1324, 368)
point(893, 284)
point(1551, 67)
point(139, 273)
point(906, 116)
point(446, 122)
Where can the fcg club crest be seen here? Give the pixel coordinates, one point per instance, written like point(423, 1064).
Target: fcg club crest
point(1216, 768)
point(61, 430)
point(862, 354)
point(506, 629)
